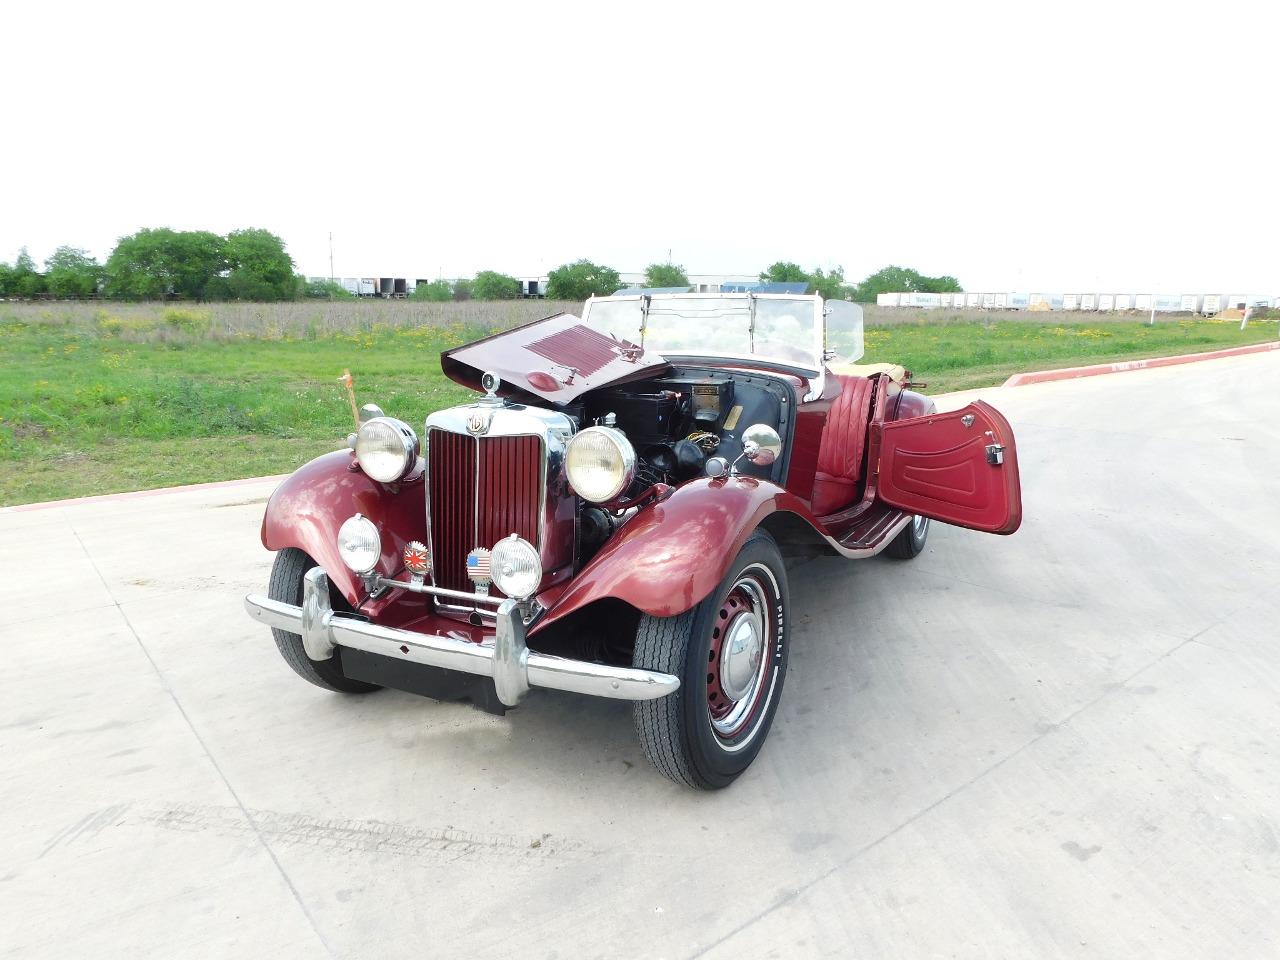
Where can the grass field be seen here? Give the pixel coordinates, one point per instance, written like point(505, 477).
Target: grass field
point(103, 398)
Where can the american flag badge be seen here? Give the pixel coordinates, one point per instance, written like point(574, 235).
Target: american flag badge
point(478, 568)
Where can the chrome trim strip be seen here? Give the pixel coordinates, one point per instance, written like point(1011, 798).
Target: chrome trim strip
point(274, 613)
point(508, 660)
point(471, 598)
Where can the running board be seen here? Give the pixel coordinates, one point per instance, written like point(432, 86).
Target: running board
point(872, 534)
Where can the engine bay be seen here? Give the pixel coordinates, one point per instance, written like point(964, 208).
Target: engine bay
point(678, 421)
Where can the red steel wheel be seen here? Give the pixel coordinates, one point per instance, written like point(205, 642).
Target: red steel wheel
point(736, 663)
point(730, 652)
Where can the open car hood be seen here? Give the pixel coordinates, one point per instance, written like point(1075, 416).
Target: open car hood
point(557, 358)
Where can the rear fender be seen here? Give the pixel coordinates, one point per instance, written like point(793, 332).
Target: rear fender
point(307, 509)
point(671, 555)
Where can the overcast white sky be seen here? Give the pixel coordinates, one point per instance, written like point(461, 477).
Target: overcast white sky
point(1022, 146)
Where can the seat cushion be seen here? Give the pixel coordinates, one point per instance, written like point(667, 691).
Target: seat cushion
point(843, 443)
point(896, 371)
point(831, 493)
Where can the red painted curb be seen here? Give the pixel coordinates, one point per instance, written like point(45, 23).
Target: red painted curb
point(137, 494)
point(1123, 366)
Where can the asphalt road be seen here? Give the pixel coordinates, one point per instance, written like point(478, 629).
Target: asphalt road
point(1057, 744)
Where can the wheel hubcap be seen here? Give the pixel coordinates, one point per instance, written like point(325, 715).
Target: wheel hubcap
point(741, 657)
point(738, 664)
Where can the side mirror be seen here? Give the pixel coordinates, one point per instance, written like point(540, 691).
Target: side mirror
point(761, 444)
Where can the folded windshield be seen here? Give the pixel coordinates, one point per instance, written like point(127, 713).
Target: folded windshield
point(777, 328)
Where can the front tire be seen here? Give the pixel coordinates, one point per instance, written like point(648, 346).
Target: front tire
point(286, 585)
point(730, 652)
point(910, 542)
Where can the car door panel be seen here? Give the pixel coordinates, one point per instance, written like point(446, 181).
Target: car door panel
point(959, 467)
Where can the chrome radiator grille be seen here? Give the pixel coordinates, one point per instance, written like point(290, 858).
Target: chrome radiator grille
point(480, 490)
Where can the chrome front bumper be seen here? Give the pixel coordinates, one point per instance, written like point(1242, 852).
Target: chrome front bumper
point(512, 665)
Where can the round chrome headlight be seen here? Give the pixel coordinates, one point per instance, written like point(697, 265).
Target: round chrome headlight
point(515, 567)
point(387, 448)
point(600, 462)
point(359, 544)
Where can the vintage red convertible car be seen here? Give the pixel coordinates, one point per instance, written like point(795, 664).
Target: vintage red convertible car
point(616, 515)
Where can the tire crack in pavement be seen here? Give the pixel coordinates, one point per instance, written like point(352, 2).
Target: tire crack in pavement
point(345, 836)
point(164, 682)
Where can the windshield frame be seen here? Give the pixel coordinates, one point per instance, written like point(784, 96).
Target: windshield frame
point(811, 370)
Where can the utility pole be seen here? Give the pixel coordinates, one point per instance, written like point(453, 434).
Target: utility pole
point(330, 254)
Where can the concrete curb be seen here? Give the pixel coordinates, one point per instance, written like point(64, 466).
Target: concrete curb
point(1123, 366)
point(137, 494)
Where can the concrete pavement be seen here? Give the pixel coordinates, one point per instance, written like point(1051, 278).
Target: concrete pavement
point(1058, 744)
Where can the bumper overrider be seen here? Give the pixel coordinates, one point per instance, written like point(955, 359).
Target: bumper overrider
point(512, 665)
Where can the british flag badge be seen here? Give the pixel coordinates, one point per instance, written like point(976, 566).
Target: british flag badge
point(416, 558)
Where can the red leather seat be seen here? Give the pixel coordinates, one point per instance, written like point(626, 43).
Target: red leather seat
point(844, 440)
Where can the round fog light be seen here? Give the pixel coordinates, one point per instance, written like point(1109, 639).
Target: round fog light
point(359, 544)
point(516, 567)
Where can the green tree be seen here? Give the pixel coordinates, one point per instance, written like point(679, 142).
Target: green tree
point(155, 262)
point(580, 280)
point(437, 291)
point(6, 280)
point(24, 281)
point(665, 275)
point(784, 272)
point(462, 289)
point(830, 286)
point(489, 285)
point(260, 269)
point(943, 284)
point(903, 280)
point(71, 272)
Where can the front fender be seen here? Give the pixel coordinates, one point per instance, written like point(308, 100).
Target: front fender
point(307, 509)
point(672, 554)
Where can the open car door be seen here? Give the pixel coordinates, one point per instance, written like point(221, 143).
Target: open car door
point(959, 467)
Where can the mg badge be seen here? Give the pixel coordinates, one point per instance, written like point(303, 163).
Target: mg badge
point(478, 422)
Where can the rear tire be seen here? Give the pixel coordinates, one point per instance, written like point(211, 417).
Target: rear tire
point(286, 585)
point(730, 653)
point(910, 542)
